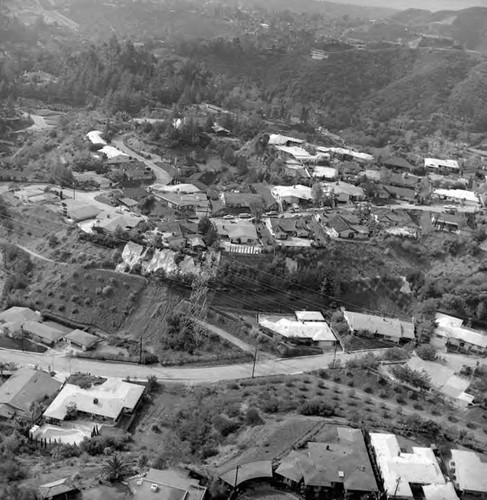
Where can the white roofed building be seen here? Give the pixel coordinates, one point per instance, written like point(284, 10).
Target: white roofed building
point(107, 401)
point(435, 164)
point(400, 470)
point(452, 335)
point(292, 195)
point(282, 140)
point(347, 154)
point(470, 472)
point(461, 196)
point(307, 326)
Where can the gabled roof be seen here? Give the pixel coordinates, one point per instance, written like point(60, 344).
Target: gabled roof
point(397, 162)
point(277, 139)
point(59, 487)
point(388, 327)
point(245, 472)
point(23, 388)
point(82, 338)
point(339, 224)
point(452, 328)
point(45, 332)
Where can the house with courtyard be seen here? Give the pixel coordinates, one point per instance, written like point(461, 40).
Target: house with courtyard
point(387, 329)
point(106, 402)
point(405, 473)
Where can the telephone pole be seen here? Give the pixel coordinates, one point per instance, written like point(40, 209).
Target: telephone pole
point(255, 361)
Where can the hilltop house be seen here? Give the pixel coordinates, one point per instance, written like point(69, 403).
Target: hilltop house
point(22, 389)
point(346, 154)
point(282, 140)
point(389, 329)
point(470, 473)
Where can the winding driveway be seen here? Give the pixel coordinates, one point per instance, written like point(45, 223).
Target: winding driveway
point(161, 175)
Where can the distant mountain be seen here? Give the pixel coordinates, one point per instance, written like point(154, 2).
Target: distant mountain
point(468, 27)
point(434, 5)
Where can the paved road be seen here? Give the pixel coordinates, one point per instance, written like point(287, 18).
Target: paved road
point(161, 175)
point(58, 362)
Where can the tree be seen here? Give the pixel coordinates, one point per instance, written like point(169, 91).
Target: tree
point(317, 193)
point(204, 225)
point(426, 352)
point(71, 411)
point(115, 469)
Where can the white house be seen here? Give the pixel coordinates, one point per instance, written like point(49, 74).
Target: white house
point(435, 164)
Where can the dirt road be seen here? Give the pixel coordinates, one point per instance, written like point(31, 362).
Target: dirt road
point(162, 177)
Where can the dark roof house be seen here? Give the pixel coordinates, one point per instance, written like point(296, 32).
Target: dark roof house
point(62, 489)
point(23, 388)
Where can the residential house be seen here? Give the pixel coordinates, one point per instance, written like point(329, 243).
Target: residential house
point(129, 173)
point(451, 334)
point(338, 227)
point(397, 163)
point(282, 140)
point(265, 192)
point(448, 222)
point(470, 473)
point(40, 332)
point(346, 154)
point(95, 137)
point(185, 202)
point(124, 221)
point(400, 193)
point(343, 191)
point(82, 339)
point(298, 329)
point(435, 165)
point(243, 472)
point(169, 484)
point(241, 202)
point(389, 329)
point(460, 196)
point(292, 196)
point(106, 402)
point(237, 231)
point(340, 464)
point(402, 471)
point(24, 387)
point(62, 489)
point(402, 180)
point(128, 202)
point(12, 319)
point(79, 211)
point(135, 193)
point(326, 173)
point(183, 188)
point(293, 227)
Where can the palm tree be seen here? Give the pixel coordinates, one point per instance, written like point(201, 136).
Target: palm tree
point(114, 469)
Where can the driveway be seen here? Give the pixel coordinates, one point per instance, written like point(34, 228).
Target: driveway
point(162, 177)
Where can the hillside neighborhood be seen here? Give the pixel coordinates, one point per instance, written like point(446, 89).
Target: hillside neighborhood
point(243, 250)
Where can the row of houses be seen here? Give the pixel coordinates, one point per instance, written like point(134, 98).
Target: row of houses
point(344, 462)
point(22, 322)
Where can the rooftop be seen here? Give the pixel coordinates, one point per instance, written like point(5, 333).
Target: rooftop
point(451, 327)
point(309, 316)
point(347, 152)
point(290, 327)
point(436, 163)
point(471, 471)
point(45, 332)
point(277, 139)
point(22, 388)
point(388, 327)
point(296, 191)
point(244, 472)
point(105, 400)
point(170, 484)
point(440, 492)
point(18, 315)
point(458, 194)
point(176, 188)
point(59, 487)
point(399, 469)
point(82, 338)
point(342, 458)
point(397, 162)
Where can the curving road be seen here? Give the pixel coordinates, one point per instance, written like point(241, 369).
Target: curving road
point(60, 363)
point(161, 175)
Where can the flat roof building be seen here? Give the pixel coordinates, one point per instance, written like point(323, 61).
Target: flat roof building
point(470, 472)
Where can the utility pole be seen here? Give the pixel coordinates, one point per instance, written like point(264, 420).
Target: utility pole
point(140, 351)
point(255, 361)
point(22, 330)
point(397, 486)
point(236, 476)
point(334, 356)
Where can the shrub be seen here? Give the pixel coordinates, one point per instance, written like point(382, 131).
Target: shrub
point(224, 425)
point(107, 291)
point(252, 417)
point(426, 352)
point(317, 408)
point(368, 389)
point(271, 406)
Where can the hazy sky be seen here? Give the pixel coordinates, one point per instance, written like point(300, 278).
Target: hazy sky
point(419, 4)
